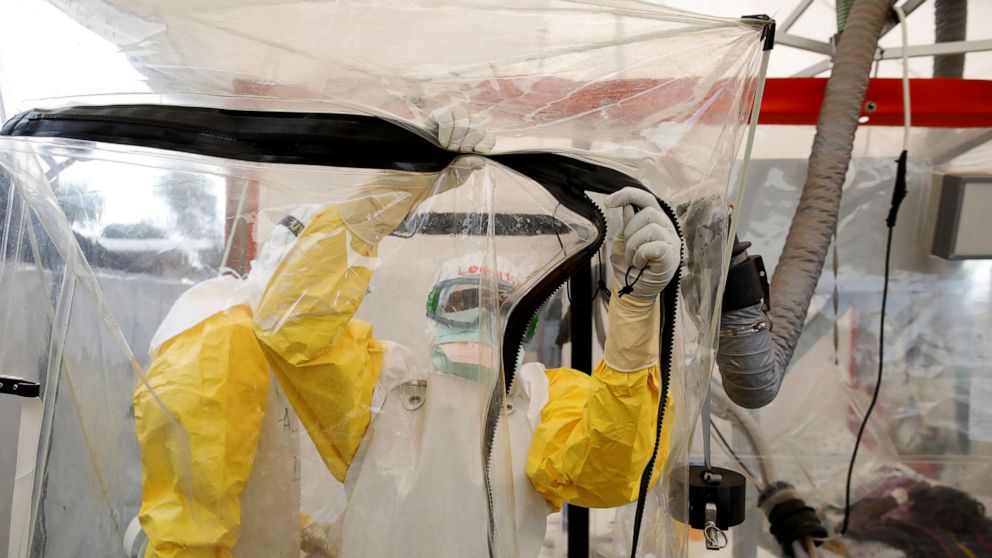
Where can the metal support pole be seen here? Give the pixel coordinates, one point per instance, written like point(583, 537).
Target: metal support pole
point(581, 325)
point(955, 47)
point(799, 10)
point(27, 453)
point(908, 7)
point(815, 69)
point(578, 531)
point(971, 140)
point(747, 534)
point(802, 43)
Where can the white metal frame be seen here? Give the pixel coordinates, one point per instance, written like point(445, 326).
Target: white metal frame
point(27, 451)
point(951, 47)
point(914, 51)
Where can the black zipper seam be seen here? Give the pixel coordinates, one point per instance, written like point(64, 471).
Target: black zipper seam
point(112, 119)
point(669, 296)
point(342, 140)
point(520, 316)
point(670, 304)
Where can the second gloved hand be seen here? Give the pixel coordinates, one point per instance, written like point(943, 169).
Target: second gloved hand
point(646, 253)
point(458, 130)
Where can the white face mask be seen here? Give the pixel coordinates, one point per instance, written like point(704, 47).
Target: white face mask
point(466, 359)
point(468, 353)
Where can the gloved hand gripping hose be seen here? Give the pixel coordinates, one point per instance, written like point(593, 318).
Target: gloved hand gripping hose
point(749, 382)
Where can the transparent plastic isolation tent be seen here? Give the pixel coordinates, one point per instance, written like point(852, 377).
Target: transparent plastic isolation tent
point(159, 155)
point(928, 437)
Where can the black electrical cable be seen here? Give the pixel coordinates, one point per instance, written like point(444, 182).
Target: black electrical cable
point(874, 395)
point(898, 194)
point(600, 284)
point(628, 286)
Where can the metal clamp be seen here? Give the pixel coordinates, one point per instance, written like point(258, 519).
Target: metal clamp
point(715, 538)
point(745, 330)
point(712, 477)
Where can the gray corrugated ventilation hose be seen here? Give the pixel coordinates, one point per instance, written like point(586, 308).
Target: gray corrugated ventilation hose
point(753, 360)
point(843, 9)
point(951, 23)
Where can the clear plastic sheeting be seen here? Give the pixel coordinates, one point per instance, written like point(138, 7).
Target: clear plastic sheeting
point(267, 359)
point(926, 447)
point(654, 84)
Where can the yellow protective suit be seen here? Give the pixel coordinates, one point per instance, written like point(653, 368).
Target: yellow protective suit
point(214, 380)
point(593, 440)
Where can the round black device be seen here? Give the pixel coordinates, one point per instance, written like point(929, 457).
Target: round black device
point(721, 490)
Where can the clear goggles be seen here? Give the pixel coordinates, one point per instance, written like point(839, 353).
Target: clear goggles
point(456, 302)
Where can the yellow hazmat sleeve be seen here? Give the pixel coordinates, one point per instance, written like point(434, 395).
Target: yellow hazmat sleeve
point(214, 380)
point(596, 435)
point(315, 290)
point(332, 393)
point(326, 361)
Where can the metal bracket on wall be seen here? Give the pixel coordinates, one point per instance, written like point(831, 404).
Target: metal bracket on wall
point(19, 386)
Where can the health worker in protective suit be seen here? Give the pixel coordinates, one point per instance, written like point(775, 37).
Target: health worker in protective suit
point(404, 439)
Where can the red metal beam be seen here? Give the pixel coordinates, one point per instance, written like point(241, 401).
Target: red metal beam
point(935, 103)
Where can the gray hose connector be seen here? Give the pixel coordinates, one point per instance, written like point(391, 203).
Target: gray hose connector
point(815, 221)
point(951, 23)
point(746, 351)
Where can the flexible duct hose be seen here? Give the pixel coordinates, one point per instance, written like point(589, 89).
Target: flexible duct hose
point(843, 10)
point(951, 23)
point(815, 221)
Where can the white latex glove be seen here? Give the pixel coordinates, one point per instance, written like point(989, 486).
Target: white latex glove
point(647, 242)
point(322, 540)
point(457, 131)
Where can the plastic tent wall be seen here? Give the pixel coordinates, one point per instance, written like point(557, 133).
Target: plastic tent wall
point(659, 94)
point(931, 422)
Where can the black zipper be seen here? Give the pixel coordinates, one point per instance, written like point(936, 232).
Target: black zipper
point(670, 304)
point(358, 141)
point(338, 140)
point(516, 328)
point(568, 180)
